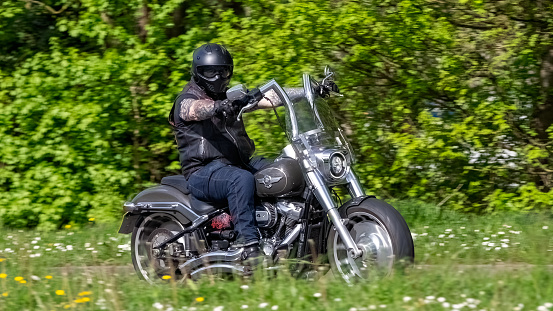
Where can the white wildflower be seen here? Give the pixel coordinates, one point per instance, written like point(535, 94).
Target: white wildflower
point(406, 299)
point(35, 278)
point(337, 299)
point(244, 287)
point(445, 304)
point(274, 307)
point(157, 305)
point(545, 227)
point(219, 308)
point(317, 295)
point(263, 305)
point(441, 299)
point(244, 307)
point(548, 304)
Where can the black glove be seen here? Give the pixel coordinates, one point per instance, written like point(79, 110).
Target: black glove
point(327, 87)
point(226, 107)
point(254, 95)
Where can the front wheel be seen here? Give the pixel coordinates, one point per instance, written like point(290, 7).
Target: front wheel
point(380, 231)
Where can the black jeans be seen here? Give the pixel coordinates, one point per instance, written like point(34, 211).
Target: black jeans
point(221, 182)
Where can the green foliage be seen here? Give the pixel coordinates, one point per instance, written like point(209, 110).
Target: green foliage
point(444, 101)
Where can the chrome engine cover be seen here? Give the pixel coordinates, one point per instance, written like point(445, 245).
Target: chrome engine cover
point(266, 215)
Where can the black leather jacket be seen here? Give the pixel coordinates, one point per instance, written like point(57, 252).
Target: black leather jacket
point(218, 137)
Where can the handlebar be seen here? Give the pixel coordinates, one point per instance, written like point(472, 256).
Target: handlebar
point(249, 106)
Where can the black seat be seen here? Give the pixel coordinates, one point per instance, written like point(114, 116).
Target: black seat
point(176, 181)
point(200, 207)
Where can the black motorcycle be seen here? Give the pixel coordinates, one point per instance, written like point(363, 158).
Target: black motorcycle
point(175, 235)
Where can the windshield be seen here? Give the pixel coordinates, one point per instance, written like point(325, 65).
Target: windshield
point(316, 126)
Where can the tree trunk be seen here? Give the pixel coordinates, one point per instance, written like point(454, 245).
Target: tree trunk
point(542, 118)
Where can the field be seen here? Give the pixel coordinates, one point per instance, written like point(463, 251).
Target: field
point(491, 262)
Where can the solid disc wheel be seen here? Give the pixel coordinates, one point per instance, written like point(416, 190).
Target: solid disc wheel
point(149, 265)
point(380, 232)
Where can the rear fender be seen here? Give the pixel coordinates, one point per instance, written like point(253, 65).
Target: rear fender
point(158, 199)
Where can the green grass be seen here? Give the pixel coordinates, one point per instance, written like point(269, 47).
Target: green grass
point(453, 271)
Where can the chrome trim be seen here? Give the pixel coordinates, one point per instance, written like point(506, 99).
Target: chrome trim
point(354, 186)
point(163, 205)
point(324, 164)
point(216, 256)
point(289, 152)
point(235, 268)
point(323, 196)
point(292, 236)
point(130, 207)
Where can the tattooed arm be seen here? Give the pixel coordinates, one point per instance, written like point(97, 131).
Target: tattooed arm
point(294, 93)
point(194, 109)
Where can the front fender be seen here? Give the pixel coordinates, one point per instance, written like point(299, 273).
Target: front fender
point(353, 202)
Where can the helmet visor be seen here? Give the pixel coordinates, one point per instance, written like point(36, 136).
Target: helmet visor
point(211, 72)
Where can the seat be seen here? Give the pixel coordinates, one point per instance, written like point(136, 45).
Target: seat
point(176, 181)
point(199, 207)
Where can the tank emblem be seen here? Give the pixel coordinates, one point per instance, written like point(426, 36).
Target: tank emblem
point(268, 181)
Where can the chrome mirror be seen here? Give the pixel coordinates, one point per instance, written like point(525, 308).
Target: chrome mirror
point(237, 92)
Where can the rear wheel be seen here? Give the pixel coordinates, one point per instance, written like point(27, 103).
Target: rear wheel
point(149, 265)
point(380, 232)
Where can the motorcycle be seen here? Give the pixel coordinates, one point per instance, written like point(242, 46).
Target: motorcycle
point(299, 215)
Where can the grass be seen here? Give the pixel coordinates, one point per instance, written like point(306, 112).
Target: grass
point(457, 268)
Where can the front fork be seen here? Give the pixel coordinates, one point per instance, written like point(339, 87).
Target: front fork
point(323, 195)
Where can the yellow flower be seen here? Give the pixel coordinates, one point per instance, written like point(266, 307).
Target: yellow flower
point(60, 292)
point(67, 226)
point(200, 299)
point(2, 259)
point(86, 299)
point(67, 306)
point(80, 300)
point(5, 294)
point(166, 277)
point(49, 277)
point(22, 281)
point(84, 293)
point(3, 275)
point(91, 219)
point(18, 278)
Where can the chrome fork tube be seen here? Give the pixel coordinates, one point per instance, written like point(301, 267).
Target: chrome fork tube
point(354, 186)
point(323, 195)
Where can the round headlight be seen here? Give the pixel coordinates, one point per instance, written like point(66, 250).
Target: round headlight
point(337, 165)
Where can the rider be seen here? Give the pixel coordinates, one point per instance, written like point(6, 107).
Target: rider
point(215, 150)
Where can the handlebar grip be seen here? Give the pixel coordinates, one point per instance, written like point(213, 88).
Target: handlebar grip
point(255, 94)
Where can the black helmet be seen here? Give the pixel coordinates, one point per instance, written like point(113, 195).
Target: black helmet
point(212, 67)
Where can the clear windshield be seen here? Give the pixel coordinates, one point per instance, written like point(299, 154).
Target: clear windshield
point(317, 127)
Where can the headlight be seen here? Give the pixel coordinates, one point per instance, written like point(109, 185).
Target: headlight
point(337, 165)
point(332, 163)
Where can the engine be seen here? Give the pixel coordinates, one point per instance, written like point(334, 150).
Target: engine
point(266, 215)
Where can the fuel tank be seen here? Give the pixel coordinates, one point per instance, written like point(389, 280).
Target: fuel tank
point(282, 178)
